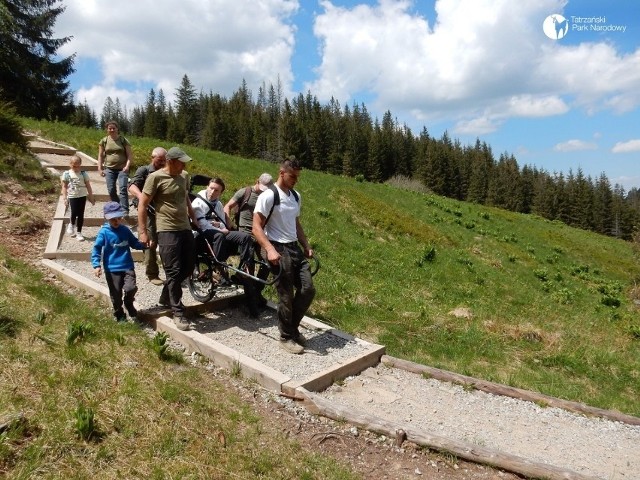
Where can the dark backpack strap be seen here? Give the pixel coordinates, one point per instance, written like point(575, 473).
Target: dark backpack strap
point(276, 200)
point(212, 210)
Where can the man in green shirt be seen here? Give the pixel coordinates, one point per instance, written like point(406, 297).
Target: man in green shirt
point(168, 189)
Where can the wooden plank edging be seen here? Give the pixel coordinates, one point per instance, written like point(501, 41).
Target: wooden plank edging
point(507, 391)
point(350, 366)
point(468, 451)
point(223, 356)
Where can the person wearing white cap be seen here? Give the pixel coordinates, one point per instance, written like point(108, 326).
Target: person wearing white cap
point(168, 189)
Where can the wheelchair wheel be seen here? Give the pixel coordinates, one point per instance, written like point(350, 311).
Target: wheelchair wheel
point(202, 284)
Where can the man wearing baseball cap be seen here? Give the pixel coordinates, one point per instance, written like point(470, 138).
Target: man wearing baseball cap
point(168, 189)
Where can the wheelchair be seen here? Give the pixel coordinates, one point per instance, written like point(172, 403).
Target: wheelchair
point(210, 274)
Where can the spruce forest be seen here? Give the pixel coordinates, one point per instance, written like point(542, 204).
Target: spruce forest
point(346, 140)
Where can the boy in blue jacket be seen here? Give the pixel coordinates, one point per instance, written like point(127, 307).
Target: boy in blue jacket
point(113, 244)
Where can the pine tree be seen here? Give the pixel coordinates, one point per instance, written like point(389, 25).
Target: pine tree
point(83, 116)
point(33, 79)
point(186, 126)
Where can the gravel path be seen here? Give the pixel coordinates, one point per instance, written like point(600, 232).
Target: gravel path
point(590, 446)
point(255, 338)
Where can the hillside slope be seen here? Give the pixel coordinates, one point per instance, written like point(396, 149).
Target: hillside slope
point(153, 418)
point(492, 294)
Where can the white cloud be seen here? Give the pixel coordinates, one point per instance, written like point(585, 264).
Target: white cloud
point(476, 126)
point(575, 145)
point(626, 147)
point(628, 182)
point(479, 64)
point(144, 43)
point(479, 56)
point(541, 106)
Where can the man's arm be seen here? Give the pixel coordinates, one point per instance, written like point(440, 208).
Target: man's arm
point(144, 202)
point(191, 210)
point(137, 181)
point(258, 232)
point(302, 238)
point(230, 205)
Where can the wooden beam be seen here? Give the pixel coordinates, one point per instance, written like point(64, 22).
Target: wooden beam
point(55, 150)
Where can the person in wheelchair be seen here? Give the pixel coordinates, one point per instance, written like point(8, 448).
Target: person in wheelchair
point(213, 222)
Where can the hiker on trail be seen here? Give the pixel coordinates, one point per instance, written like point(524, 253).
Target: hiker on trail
point(76, 189)
point(114, 162)
point(243, 202)
point(113, 246)
point(213, 222)
point(277, 228)
point(158, 160)
point(168, 189)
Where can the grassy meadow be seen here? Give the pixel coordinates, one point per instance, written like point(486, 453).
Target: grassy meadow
point(99, 399)
point(540, 305)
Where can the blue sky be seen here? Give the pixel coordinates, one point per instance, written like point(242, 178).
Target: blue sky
point(475, 68)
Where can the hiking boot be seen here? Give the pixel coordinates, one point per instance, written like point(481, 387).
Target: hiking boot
point(71, 230)
point(79, 237)
point(300, 339)
point(131, 310)
point(156, 281)
point(288, 345)
point(164, 301)
point(181, 323)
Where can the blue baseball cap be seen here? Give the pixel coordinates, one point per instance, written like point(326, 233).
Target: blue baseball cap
point(113, 210)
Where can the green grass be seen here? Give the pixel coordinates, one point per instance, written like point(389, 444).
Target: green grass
point(552, 307)
point(105, 404)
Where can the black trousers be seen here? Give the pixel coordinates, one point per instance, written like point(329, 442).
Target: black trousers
point(122, 287)
point(294, 286)
point(77, 207)
point(177, 251)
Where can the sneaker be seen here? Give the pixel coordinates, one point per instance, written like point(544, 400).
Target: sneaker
point(71, 229)
point(121, 319)
point(156, 281)
point(290, 346)
point(300, 339)
point(79, 237)
point(181, 323)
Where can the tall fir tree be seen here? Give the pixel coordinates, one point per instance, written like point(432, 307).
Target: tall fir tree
point(33, 78)
point(186, 110)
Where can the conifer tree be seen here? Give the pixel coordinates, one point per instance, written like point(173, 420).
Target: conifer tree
point(186, 111)
point(33, 79)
